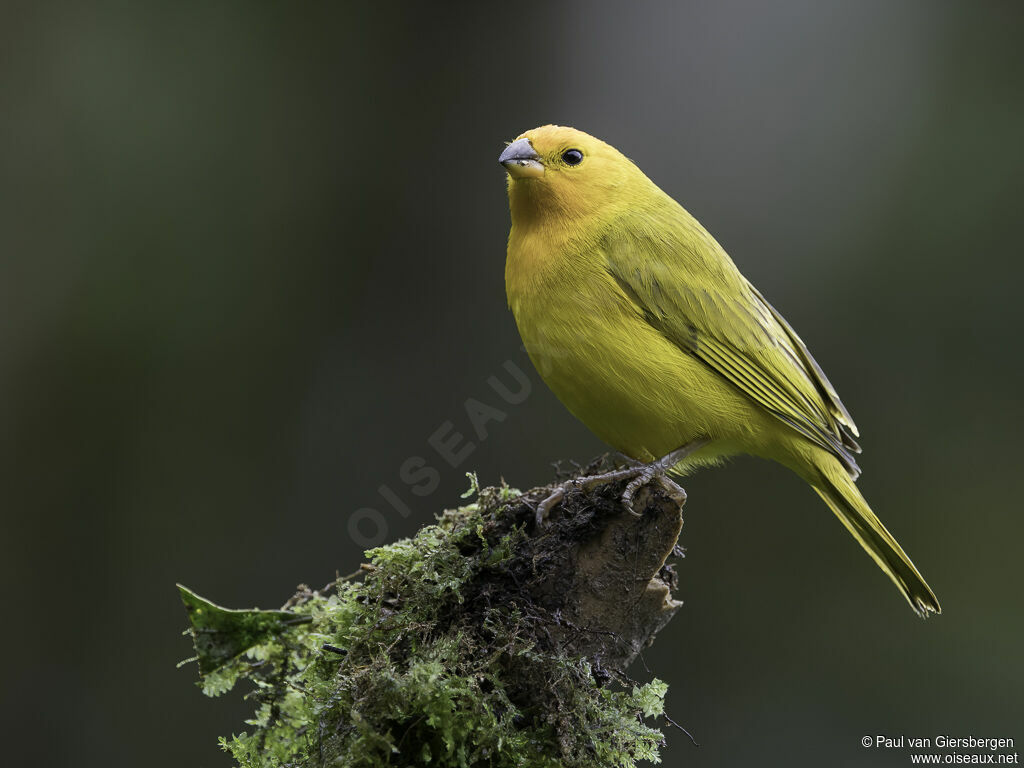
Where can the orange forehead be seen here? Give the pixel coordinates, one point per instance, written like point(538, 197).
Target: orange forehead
point(548, 138)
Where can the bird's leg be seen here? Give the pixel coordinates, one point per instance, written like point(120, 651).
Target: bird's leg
point(640, 473)
point(658, 469)
point(582, 483)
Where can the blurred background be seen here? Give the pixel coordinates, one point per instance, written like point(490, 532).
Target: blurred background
point(251, 260)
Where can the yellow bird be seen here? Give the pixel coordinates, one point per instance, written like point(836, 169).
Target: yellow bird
point(644, 328)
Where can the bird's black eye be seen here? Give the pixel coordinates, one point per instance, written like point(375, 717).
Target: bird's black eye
point(572, 157)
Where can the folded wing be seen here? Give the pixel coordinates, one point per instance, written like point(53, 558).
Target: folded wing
point(697, 299)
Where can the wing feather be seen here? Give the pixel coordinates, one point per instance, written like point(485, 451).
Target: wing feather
point(728, 325)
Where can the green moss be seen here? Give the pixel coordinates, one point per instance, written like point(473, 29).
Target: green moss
point(437, 657)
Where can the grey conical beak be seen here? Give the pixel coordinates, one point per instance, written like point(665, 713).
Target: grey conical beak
point(521, 160)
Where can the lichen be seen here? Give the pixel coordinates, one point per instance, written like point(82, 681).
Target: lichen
point(435, 655)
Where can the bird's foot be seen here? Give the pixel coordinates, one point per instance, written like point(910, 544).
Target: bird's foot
point(658, 470)
point(545, 507)
point(582, 484)
point(639, 475)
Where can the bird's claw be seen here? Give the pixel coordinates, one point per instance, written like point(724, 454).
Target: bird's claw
point(673, 489)
point(545, 507)
point(639, 475)
point(646, 474)
point(649, 472)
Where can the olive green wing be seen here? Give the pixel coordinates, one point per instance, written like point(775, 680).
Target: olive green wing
point(835, 405)
point(687, 288)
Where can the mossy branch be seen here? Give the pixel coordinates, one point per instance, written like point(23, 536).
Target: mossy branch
point(482, 641)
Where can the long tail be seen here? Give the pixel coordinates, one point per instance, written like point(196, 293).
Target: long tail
point(843, 497)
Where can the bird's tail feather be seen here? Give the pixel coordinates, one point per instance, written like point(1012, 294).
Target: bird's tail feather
point(843, 497)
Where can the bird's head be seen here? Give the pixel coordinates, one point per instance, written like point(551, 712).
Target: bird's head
point(554, 170)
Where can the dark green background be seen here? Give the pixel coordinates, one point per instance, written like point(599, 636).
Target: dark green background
point(252, 257)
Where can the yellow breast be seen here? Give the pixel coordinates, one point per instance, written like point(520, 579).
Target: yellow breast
point(629, 384)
